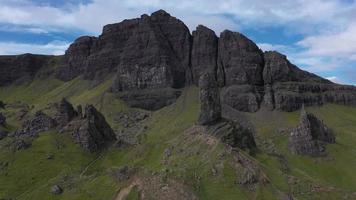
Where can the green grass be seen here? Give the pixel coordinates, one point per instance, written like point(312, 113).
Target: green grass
point(134, 194)
point(29, 174)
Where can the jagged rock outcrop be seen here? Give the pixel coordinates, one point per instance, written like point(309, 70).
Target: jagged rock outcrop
point(93, 132)
point(65, 112)
point(204, 52)
point(39, 123)
point(2, 119)
point(21, 68)
point(210, 107)
point(310, 136)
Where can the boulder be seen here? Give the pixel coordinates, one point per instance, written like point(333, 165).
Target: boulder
point(204, 52)
point(56, 189)
point(93, 132)
point(210, 107)
point(310, 136)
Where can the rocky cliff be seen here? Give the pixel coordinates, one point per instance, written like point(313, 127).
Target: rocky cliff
point(154, 56)
point(22, 67)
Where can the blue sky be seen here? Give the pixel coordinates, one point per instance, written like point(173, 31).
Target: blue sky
point(317, 35)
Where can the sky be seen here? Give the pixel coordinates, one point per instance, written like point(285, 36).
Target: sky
point(317, 35)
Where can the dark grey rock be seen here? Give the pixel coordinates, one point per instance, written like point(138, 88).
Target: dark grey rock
point(80, 111)
point(310, 136)
point(3, 134)
point(277, 68)
point(210, 107)
point(2, 105)
point(2, 119)
point(240, 59)
point(39, 123)
point(233, 134)
point(93, 132)
point(56, 189)
point(204, 52)
point(20, 144)
point(76, 58)
point(124, 173)
point(21, 68)
point(242, 97)
point(65, 112)
point(150, 99)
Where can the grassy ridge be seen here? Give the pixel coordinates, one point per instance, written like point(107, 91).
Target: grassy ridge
point(29, 174)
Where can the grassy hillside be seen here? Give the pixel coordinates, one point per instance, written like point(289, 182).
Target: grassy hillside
point(197, 164)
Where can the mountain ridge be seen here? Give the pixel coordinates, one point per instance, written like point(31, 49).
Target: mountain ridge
point(157, 52)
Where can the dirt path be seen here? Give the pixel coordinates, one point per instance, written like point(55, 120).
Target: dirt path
point(126, 191)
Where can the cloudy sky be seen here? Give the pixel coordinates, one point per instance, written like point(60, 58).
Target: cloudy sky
point(317, 35)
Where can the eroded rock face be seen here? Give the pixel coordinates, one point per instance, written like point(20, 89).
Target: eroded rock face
point(210, 107)
point(147, 52)
point(65, 112)
point(204, 52)
point(240, 59)
point(93, 132)
point(242, 97)
point(310, 136)
point(76, 58)
point(39, 123)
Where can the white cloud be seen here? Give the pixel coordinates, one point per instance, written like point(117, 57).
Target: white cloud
point(92, 16)
point(273, 47)
point(341, 44)
point(334, 79)
point(52, 48)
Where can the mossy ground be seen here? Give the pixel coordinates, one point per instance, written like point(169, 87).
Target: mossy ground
point(29, 174)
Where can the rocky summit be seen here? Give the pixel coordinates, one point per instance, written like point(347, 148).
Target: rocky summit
point(155, 56)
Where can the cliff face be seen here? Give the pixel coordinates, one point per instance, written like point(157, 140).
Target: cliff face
point(153, 57)
point(22, 67)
